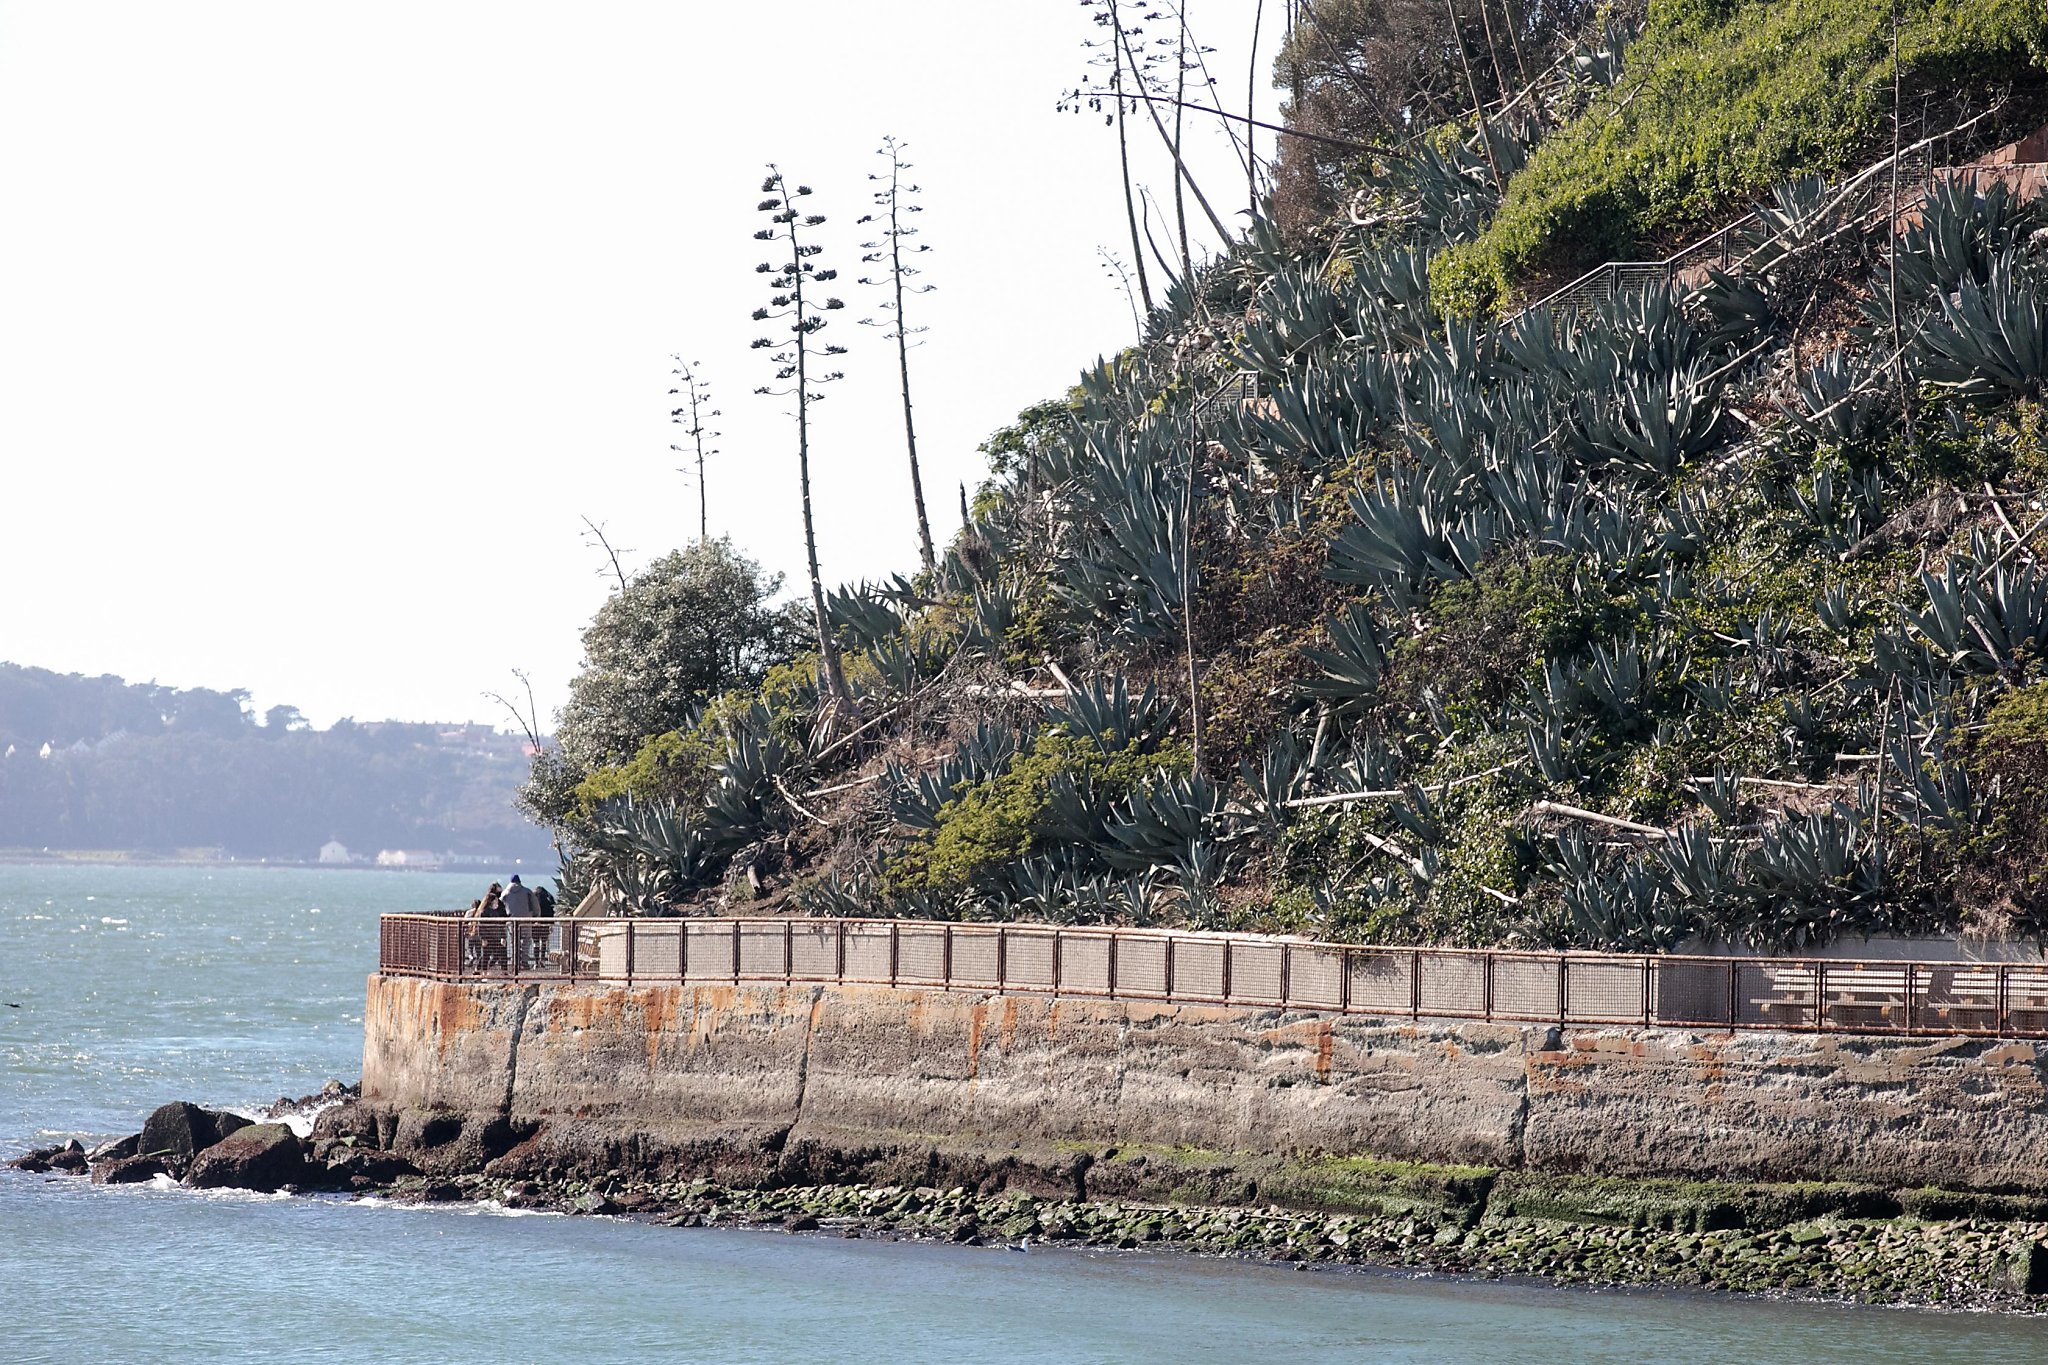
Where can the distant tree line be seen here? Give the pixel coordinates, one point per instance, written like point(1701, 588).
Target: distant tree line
point(99, 763)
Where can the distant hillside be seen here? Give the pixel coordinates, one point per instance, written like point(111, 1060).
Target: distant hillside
point(99, 763)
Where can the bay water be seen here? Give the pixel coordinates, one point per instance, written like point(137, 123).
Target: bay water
point(122, 987)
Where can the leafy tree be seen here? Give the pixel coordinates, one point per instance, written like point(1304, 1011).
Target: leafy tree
point(690, 625)
point(891, 246)
point(792, 358)
point(692, 415)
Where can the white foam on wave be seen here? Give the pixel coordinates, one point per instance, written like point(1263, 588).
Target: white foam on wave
point(109, 919)
point(469, 1208)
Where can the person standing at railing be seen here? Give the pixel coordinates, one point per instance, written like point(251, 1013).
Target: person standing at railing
point(491, 936)
point(529, 939)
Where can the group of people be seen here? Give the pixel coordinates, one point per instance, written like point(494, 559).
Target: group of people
point(491, 947)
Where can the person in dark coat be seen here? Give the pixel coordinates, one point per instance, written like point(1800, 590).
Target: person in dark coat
point(492, 936)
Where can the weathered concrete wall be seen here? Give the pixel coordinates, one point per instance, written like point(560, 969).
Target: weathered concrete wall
point(854, 1080)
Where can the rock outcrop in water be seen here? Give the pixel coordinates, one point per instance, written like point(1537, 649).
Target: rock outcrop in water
point(218, 1149)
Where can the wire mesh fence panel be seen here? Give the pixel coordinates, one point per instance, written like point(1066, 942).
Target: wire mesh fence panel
point(708, 951)
point(1867, 996)
point(1774, 995)
point(1141, 966)
point(921, 954)
point(867, 951)
point(1027, 959)
point(1382, 983)
point(814, 950)
point(975, 957)
point(1084, 963)
point(1685, 992)
point(1964, 999)
point(1255, 972)
point(655, 949)
point(1315, 977)
point(761, 952)
point(1197, 969)
point(2026, 999)
point(1453, 983)
point(1525, 988)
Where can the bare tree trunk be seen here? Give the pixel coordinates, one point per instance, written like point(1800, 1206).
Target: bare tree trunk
point(828, 648)
point(1180, 95)
point(697, 435)
point(1123, 157)
point(1251, 112)
point(1472, 86)
point(924, 526)
point(1500, 77)
point(1179, 166)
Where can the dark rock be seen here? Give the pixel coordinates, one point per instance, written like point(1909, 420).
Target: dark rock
point(441, 1192)
point(379, 1168)
point(261, 1156)
point(179, 1131)
point(33, 1162)
point(592, 1202)
point(127, 1170)
point(2025, 1270)
point(115, 1150)
point(70, 1159)
point(803, 1222)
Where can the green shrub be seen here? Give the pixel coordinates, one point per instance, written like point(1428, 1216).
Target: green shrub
point(995, 823)
point(1719, 100)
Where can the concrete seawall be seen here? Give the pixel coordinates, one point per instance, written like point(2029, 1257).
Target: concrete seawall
point(1126, 1099)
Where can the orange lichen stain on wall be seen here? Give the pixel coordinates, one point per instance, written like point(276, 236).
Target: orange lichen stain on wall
point(658, 1009)
point(2022, 1054)
point(1007, 1030)
point(1326, 1043)
point(976, 1017)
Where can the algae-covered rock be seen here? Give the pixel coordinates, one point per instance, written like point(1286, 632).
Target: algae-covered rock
point(260, 1156)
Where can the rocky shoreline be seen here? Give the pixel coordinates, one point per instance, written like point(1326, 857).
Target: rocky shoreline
point(1953, 1250)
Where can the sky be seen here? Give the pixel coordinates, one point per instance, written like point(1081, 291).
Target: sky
point(323, 328)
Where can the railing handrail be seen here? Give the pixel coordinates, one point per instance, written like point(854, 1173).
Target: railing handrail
point(1530, 985)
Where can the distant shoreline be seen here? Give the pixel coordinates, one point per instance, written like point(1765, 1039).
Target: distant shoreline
point(22, 857)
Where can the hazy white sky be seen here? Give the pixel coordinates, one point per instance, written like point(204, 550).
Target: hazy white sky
point(322, 326)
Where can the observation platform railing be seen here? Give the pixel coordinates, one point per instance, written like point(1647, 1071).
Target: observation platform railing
point(1991, 999)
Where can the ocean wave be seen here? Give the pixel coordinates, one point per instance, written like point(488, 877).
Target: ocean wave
point(473, 1208)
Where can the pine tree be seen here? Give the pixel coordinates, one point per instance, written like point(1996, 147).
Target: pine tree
point(795, 268)
point(890, 247)
point(692, 415)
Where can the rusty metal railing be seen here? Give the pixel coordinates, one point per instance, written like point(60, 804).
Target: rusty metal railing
point(2005, 999)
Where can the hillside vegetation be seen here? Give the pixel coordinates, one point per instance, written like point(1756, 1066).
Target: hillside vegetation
point(1709, 615)
point(1723, 98)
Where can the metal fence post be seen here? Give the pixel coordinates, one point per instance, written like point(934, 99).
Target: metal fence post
point(682, 950)
point(1226, 969)
point(1169, 966)
point(1646, 992)
point(1286, 971)
point(735, 952)
point(1112, 965)
point(788, 951)
point(1563, 999)
point(1343, 981)
point(946, 959)
point(1486, 986)
point(1055, 962)
point(894, 949)
point(629, 952)
point(1002, 956)
point(2004, 971)
point(1415, 984)
point(1820, 996)
point(839, 952)
point(1908, 1003)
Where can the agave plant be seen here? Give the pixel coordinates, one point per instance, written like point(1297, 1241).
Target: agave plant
point(1989, 339)
point(1104, 712)
point(1352, 665)
point(1838, 400)
point(1162, 822)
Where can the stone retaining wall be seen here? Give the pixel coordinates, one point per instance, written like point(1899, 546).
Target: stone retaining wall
point(1123, 1098)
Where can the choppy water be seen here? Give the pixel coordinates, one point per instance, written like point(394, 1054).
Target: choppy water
point(138, 985)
